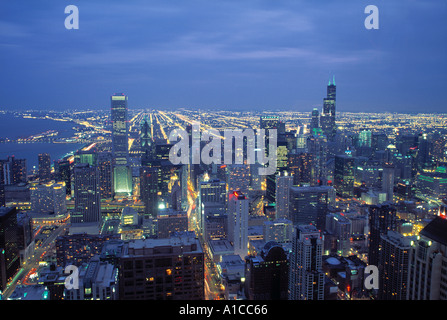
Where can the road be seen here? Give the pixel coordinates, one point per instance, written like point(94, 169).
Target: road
point(32, 264)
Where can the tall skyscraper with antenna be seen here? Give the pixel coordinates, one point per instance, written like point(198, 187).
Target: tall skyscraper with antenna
point(327, 118)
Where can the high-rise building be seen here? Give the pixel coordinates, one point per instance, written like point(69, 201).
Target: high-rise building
point(283, 184)
point(14, 170)
point(306, 278)
point(48, 198)
point(87, 206)
point(162, 269)
point(344, 175)
point(395, 254)
point(327, 118)
point(315, 120)
point(301, 168)
point(238, 208)
point(428, 265)
point(122, 174)
point(279, 230)
point(62, 170)
point(44, 161)
point(147, 142)
point(309, 205)
point(317, 145)
point(170, 222)
point(149, 190)
point(382, 218)
point(388, 181)
point(104, 163)
point(9, 250)
point(267, 274)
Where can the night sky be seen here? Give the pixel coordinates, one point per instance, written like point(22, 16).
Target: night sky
point(226, 54)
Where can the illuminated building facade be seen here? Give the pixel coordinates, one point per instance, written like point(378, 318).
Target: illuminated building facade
point(306, 278)
point(122, 174)
point(162, 269)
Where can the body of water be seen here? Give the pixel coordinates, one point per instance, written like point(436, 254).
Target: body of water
point(15, 127)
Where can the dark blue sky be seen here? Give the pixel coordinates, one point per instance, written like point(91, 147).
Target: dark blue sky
point(228, 54)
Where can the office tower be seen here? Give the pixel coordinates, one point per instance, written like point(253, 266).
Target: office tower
point(87, 207)
point(279, 230)
point(97, 281)
point(315, 120)
point(44, 170)
point(9, 254)
point(309, 205)
point(344, 176)
point(339, 227)
point(318, 146)
point(388, 181)
point(104, 162)
point(14, 170)
point(211, 191)
point(283, 184)
point(428, 264)
point(147, 143)
point(238, 177)
point(170, 222)
point(281, 166)
point(382, 218)
point(270, 123)
point(267, 274)
point(238, 208)
point(162, 269)
point(365, 138)
point(405, 142)
point(49, 198)
point(301, 168)
point(122, 174)
point(395, 254)
point(63, 173)
point(149, 190)
point(379, 141)
point(79, 248)
point(327, 118)
point(306, 278)
point(432, 184)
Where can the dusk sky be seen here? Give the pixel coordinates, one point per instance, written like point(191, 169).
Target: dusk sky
point(226, 54)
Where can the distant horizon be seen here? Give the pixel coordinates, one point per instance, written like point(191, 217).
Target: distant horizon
point(210, 109)
point(227, 54)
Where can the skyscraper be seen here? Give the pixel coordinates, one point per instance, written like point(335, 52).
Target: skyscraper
point(238, 207)
point(149, 190)
point(104, 163)
point(87, 206)
point(283, 184)
point(162, 269)
point(428, 264)
point(9, 251)
point(147, 143)
point(395, 254)
point(306, 278)
point(344, 175)
point(122, 174)
point(315, 120)
point(44, 166)
point(382, 218)
point(309, 205)
point(267, 274)
point(327, 118)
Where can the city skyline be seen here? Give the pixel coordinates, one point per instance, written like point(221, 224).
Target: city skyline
point(227, 55)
